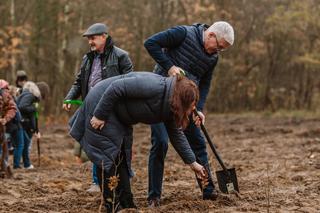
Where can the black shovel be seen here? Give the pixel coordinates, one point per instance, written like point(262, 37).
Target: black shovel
point(227, 178)
point(39, 153)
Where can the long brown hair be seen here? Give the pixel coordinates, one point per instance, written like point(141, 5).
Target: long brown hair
point(184, 94)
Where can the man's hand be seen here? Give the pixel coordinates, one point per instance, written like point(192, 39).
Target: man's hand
point(66, 107)
point(78, 160)
point(96, 123)
point(38, 135)
point(173, 71)
point(3, 121)
point(199, 170)
point(197, 119)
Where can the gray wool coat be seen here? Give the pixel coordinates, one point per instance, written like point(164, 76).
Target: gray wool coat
point(123, 101)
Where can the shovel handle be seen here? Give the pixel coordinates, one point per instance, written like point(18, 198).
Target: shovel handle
point(73, 102)
point(39, 153)
point(213, 148)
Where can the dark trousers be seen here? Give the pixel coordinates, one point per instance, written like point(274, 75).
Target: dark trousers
point(27, 137)
point(18, 142)
point(123, 196)
point(159, 140)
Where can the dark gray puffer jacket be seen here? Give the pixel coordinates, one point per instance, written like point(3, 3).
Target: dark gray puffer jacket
point(123, 101)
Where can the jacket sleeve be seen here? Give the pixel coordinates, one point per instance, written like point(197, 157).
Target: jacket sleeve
point(180, 142)
point(125, 64)
point(204, 87)
point(170, 38)
point(25, 104)
point(77, 124)
point(75, 90)
point(11, 109)
point(124, 88)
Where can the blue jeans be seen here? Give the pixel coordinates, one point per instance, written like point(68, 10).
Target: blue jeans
point(18, 142)
point(94, 174)
point(159, 140)
point(26, 148)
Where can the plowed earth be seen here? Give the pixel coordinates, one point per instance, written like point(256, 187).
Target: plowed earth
point(277, 162)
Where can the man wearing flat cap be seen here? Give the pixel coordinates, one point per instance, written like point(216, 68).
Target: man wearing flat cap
point(104, 60)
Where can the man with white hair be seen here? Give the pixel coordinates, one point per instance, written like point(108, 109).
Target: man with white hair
point(194, 49)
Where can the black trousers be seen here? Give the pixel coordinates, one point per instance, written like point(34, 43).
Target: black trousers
point(121, 196)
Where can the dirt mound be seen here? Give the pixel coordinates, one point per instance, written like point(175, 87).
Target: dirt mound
point(277, 162)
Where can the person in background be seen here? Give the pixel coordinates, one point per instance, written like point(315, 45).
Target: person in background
point(14, 128)
point(26, 104)
point(22, 78)
point(7, 109)
point(103, 61)
point(193, 49)
point(44, 89)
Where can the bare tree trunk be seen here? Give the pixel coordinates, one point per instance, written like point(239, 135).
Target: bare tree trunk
point(13, 56)
point(184, 11)
point(80, 26)
point(62, 50)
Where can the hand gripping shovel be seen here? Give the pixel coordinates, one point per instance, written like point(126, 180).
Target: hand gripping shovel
point(73, 102)
point(227, 178)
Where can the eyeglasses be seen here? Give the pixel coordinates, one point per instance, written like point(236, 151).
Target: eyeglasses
point(220, 48)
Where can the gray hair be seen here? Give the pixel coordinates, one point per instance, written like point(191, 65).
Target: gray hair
point(223, 30)
point(33, 88)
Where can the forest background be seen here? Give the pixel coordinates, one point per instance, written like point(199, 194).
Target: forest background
point(273, 65)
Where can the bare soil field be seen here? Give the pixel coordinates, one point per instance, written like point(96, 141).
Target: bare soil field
point(277, 160)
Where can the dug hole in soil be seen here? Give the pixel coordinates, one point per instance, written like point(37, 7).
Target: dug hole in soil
point(277, 162)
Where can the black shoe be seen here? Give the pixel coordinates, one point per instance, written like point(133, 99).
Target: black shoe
point(154, 202)
point(127, 203)
point(210, 196)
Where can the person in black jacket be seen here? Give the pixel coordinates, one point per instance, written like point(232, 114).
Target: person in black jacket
point(26, 102)
point(193, 49)
point(103, 124)
point(103, 61)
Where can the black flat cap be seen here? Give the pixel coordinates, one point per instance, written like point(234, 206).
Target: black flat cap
point(96, 29)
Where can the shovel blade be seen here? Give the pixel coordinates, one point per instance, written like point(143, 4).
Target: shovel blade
point(227, 185)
